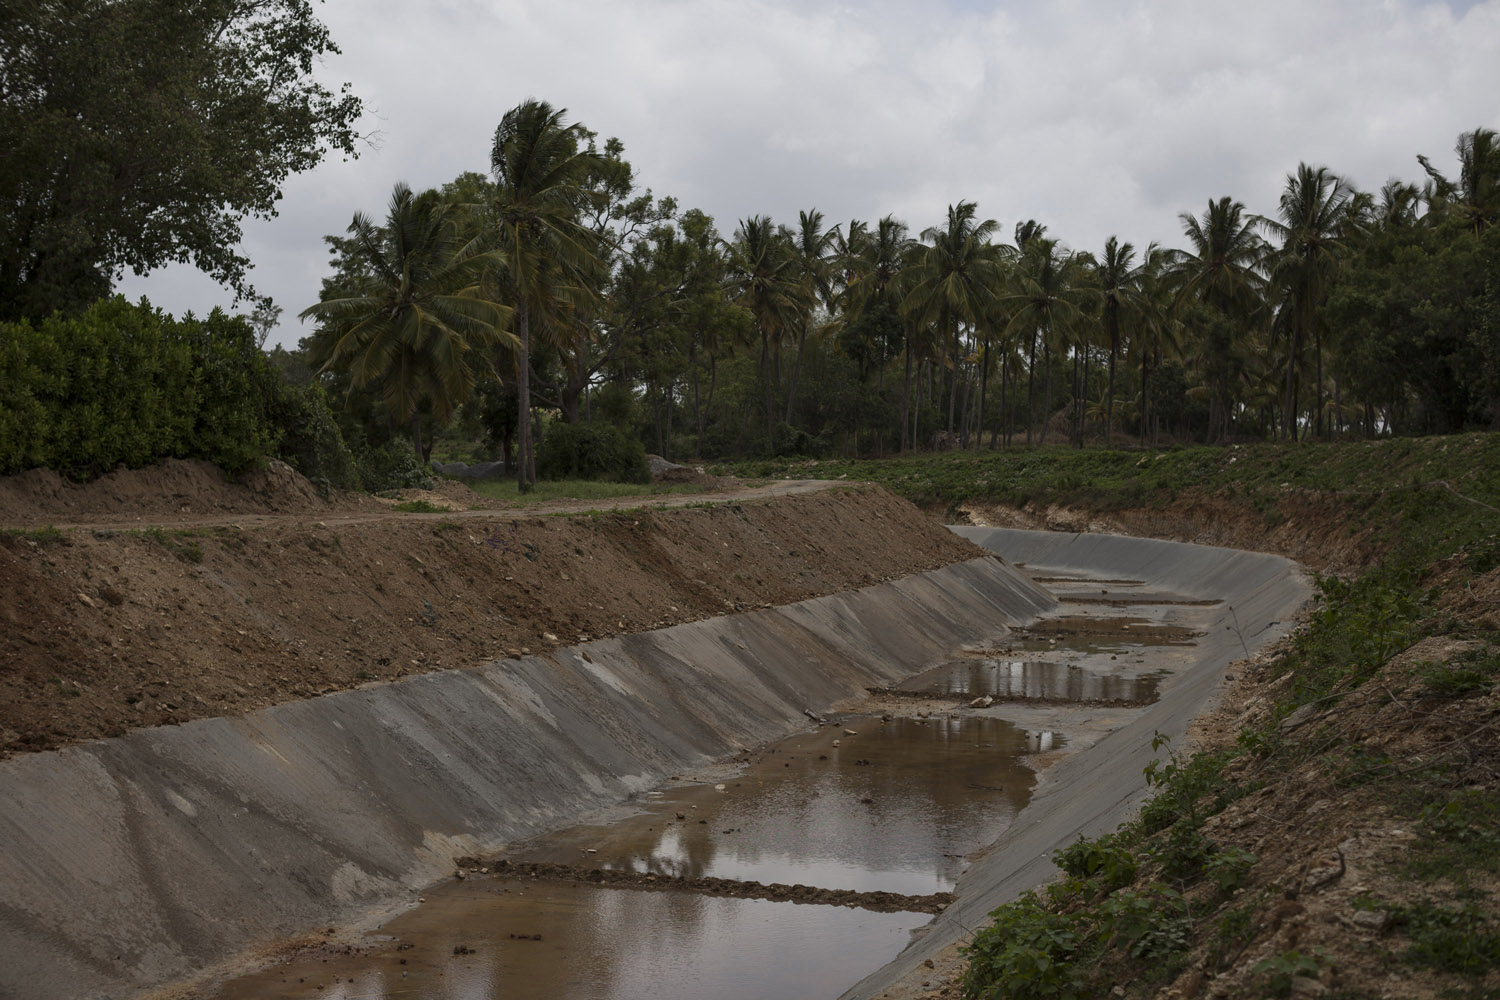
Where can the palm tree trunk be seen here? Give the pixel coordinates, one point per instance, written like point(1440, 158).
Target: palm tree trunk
point(1318, 351)
point(1289, 400)
point(1109, 403)
point(984, 380)
point(906, 398)
point(1047, 393)
point(765, 370)
point(952, 371)
point(416, 434)
point(791, 392)
point(1030, 387)
point(524, 474)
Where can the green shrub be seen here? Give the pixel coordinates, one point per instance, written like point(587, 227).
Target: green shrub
point(393, 466)
point(123, 384)
point(310, 439)
point(1105, 858)
point(1025, 954)
point(1151, 925)
point(591, 451)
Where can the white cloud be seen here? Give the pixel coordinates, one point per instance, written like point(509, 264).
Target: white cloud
point(1094, 117)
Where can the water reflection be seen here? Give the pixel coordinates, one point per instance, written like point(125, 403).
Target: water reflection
point(894, 808)
point(598, 944)
point(1030, 680)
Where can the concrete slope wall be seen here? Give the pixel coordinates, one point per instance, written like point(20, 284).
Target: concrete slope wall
point(1093, 791)
point(133, 861)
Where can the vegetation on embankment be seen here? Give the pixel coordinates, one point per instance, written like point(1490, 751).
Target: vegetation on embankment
point(1342, 828)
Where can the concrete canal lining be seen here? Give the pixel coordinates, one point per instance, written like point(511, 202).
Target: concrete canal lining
point(1093, 791)
point(142, 859)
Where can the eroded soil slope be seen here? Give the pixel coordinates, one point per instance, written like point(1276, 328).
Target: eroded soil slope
point(105, 629)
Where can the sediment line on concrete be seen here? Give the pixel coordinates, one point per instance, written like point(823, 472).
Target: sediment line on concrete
point(880, 902)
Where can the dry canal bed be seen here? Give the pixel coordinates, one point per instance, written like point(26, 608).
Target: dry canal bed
point(791, 870)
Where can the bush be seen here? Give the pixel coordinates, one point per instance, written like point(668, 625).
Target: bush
point(1026, 954)
point(393, 466)
point(591, 451)
point(310, 438)
point(1105, 858)
point(124, 384)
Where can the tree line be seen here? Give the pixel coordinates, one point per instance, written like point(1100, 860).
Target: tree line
point(550, 305)
point(555, 286)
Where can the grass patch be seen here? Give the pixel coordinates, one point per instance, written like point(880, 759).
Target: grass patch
point(576, 489)
point(419, 507)
point(182, 544)
point(41, 536)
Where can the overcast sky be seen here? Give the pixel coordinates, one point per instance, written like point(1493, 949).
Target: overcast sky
point(1095, 117)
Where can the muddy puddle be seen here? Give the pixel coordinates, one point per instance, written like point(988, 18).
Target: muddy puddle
point(864, 805)
point(892, 807)
point(1046, 681)
point(514, 939)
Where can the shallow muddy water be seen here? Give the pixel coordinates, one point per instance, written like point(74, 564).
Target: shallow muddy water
point(475, 941)
point(892, 806)
point(1031, 680)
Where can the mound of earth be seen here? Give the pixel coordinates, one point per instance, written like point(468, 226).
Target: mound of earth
point(150, 615)
point(172, 488)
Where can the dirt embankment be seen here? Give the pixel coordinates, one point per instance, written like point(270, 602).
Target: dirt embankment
point(106, 629)
point(1311, 528)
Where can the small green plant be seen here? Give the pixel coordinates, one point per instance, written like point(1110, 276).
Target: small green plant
point(1151, 925)
point(1471, 673)
point(1182, 785)
point(1104, 858)
point(181, 544)
point(1228, 867)
point(1025, 954)
point(1280, 970)
point(41, 536)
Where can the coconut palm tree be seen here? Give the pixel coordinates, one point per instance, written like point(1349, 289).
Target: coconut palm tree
point(765, 279)
point(1048, 294)
point(1155, 330)
point(1314, 207)
point(954, 277)
point(1117, 279)
point(551, 257)
point(418, 323)
point(871, 262)
point(1221, 272)
point(813, 247)
point(1475, 196)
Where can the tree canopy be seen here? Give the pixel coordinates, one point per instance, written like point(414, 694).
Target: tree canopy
point(144, 132)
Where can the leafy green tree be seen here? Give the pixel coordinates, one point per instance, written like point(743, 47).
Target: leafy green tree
point(550, 254)
point(143, 132)
point(418, 324)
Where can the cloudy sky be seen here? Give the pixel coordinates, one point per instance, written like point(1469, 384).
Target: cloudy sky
point(1095, 117)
